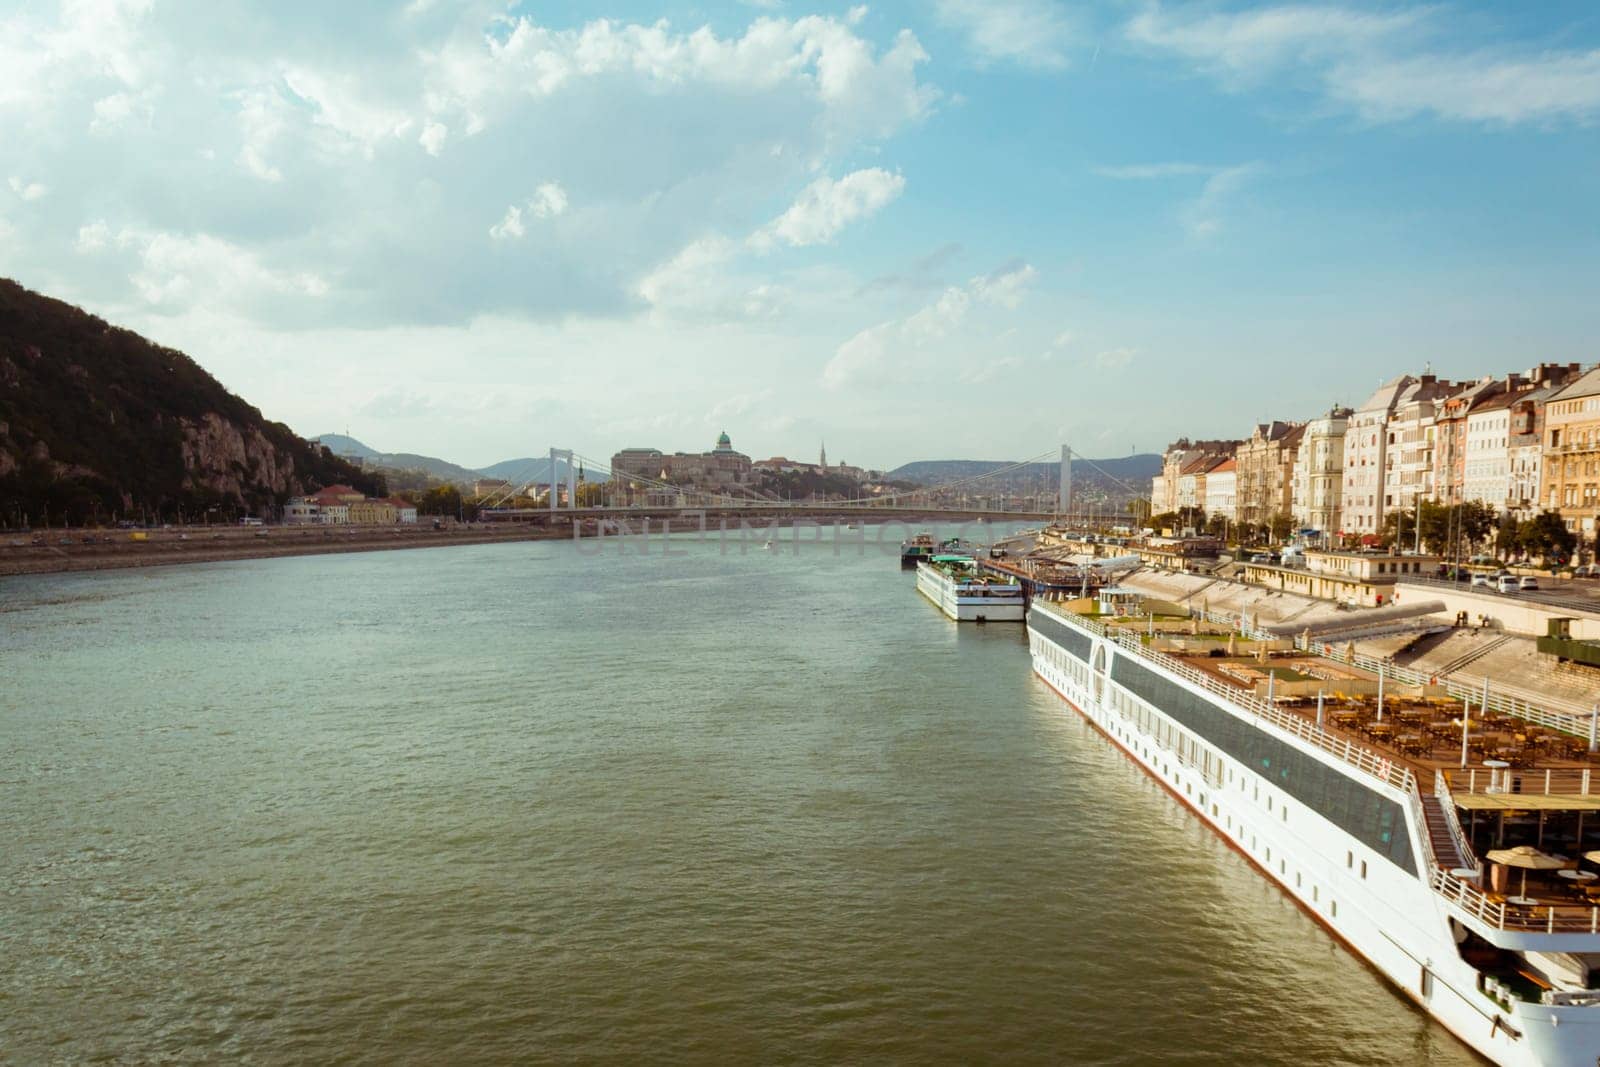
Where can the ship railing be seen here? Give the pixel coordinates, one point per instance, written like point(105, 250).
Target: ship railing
point(1441, 789)
point(1376, 764)
point(1542, 781)
point(1546, 710)
point(1501, 914)
point(1419, 819)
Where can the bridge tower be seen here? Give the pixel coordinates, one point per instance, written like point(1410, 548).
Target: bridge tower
point(1066, 480)
point(572, 486)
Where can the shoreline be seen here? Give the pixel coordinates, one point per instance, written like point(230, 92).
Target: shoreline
point(166, 548)
point(64, 551)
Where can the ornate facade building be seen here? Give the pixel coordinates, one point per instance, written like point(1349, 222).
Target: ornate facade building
point(1572, 454)
point(1317, 488)
point(1265, 471)
point(720, 468)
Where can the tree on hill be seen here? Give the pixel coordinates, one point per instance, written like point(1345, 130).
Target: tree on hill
point(97, 423)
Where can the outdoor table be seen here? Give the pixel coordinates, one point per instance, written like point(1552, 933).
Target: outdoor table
point(1526, 902)
point(1578, 876)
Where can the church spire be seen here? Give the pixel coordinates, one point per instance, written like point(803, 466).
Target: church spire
point(822, 460)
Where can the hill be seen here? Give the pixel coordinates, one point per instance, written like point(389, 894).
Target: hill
point(1113, 480)
point(532, 469)
point(1120, 478)
point(98, 423)
point(520, 471)
point(432, 466)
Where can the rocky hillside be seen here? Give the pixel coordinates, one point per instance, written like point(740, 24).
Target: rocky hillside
point(97, 423)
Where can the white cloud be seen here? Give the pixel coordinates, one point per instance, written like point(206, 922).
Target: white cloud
point(1113, 358)
point(1149, 171)
point(262, 119)
point(548, 201)
point(1481, 87)
point(1006, 287)
point(877, 352)
point(28, 190)
point(510, 226)
point(1030, 33)
point(826, 207)
point(338, 104)
point(699, 283)
point(1249, 45)
point(1379, 63)
point(93, 236)
point(739, 404)
point(819, 56)
point(118, 109)
point(433, 137)
point(172, 272)
point(1202, 217)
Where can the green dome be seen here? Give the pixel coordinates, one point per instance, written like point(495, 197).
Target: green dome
point(723, 441)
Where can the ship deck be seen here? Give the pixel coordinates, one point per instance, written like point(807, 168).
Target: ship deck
point(1518, 781)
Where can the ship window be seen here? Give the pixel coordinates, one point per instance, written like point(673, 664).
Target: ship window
point(1269, 853)
point(1297, 879)
point(1269, 801)
point(1349, 859)
point(1333, 908)
point(1283, 867)
point(1363, 868)
point(1314, 893)
point(1335, 792)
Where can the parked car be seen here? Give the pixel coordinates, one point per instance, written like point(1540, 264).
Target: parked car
point(1507, 583)
point(1484, 580)
point(1587, 570)
point(1528, 581)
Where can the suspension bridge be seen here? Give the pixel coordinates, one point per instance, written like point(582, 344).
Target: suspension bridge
point(989, 495)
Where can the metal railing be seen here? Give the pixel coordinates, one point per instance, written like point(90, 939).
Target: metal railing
point(1441, 789)
point(1505, 699)
point(1366, 760)
point(1546, 781)
point(1419, 818)
point(1504, 915)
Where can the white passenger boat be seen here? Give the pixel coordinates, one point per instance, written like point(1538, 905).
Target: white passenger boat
point(1365, 831)
point(966, 594)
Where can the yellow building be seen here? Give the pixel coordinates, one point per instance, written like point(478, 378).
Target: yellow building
point(1572, 454)
point(373, 512)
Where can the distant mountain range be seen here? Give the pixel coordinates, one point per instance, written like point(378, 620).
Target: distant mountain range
point(521, 471)
point(1105, 474)
point(1124, 476)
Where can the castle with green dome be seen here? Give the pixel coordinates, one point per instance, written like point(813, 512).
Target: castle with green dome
point(720, 468)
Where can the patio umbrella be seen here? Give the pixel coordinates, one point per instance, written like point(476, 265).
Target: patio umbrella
point(1592, 857)
point(1528, 858)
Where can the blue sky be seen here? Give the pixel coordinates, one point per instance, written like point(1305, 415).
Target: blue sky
point(918, 230)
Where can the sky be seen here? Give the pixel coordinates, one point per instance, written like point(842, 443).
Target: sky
point(943, 229)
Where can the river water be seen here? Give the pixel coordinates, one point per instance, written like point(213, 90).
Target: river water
point(523, 802)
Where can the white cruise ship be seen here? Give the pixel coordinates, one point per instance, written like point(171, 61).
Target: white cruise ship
point(963, 592)
point(1372, 833)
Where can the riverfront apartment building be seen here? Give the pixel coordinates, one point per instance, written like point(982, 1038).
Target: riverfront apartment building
point(1572, 453)
point(1317, 484)
point(1266, 471)
point(1520, 444)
